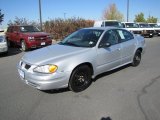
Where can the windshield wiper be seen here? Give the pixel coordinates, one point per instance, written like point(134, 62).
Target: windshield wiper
point(69, 43)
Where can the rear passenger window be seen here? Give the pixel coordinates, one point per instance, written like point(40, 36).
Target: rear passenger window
point(125, 35)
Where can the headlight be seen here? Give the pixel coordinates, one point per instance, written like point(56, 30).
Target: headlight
point(46, 69)
point(2, 39)
point(30, 38)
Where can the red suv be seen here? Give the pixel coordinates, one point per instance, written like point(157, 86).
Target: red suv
point(27, 37)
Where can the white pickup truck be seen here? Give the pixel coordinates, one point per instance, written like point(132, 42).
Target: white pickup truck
point(132, 27)
point(106, 23)
point(156, 28)
point(146, 29)
point(3, 42)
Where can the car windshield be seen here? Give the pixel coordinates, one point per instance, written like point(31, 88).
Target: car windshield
point(144, 25)
point(114, 24)
point(154, 25)
point(131, 25)
point(29, 29)
point(83, 38)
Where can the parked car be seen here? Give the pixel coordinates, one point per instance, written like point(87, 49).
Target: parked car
point(80, 57)
point(132, 27)
point(147, 31)
point(106, 23)
point(27, 37)
point(156, 28)
point(3, 42)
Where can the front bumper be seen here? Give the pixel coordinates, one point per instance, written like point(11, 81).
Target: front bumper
point(3, 47)
point(43, 81)
point(37, 44)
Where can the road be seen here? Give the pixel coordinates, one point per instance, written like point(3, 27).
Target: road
point(128, 93)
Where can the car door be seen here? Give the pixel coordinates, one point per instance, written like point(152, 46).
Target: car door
point(9, 33)
point(15, 35)
point(108, 57)
point(128, 45)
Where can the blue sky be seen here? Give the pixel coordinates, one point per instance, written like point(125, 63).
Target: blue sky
point(88, 9)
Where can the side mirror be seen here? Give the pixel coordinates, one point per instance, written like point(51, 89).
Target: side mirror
point(104, 45)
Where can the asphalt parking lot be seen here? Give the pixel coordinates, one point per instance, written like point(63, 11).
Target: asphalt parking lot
point(128, 93)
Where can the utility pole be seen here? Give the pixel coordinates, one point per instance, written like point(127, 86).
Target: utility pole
point(127, 10)
point(65, 15)
point(40, 15)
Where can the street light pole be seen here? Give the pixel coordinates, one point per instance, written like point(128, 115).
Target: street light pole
point(65, 16)
point(40, 15)
point(127, 10)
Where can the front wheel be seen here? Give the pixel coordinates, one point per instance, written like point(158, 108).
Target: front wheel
point(24, 46)
point(137, 58)
point(80, 79)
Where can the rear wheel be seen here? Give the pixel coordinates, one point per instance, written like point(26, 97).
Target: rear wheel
point(80, 79)
point(24, 46)
point(9, 43)
point(137, 58)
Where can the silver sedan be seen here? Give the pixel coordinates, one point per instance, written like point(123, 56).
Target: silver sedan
point(80, 57)
point(3, 42)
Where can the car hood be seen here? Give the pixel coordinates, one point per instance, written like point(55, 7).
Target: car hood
point(36, 34)
point(133, 29)
point(52, 53)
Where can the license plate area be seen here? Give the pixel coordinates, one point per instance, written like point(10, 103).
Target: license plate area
point(21, 73)
point(43, 43)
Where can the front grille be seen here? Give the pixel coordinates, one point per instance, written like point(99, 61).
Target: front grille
point(24, 65)
point(157, 31)
point(41, 38)
point(150, 31)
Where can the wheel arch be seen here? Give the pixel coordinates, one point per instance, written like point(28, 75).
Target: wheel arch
point(85, 63)
point(140, 49)
point(21, 39)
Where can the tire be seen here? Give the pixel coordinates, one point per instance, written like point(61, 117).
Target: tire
point(9, 43)
point(80, 79)
point(136, 58)
point(6, 53)
point(24, 46)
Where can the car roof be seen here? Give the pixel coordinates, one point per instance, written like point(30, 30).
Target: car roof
point(102, 28)
point(141, 23)
point(152, 23)
point(19, 25)
point(107, 21)
point(128, 22)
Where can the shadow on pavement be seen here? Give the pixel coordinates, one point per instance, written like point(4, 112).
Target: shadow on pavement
point(11, 52)
point(105, 118)
point(62, 90)
point(110, 72)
